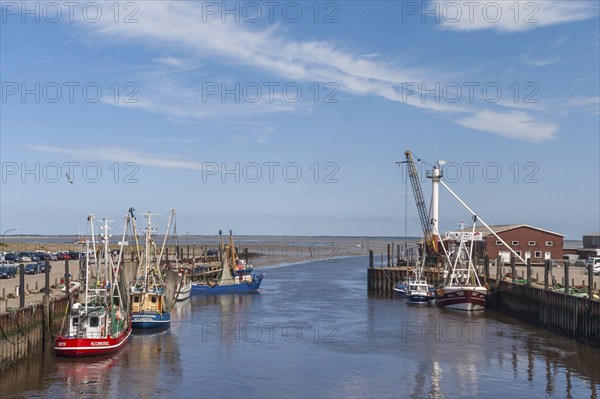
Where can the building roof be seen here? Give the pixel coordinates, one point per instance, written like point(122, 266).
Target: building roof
point(592, 234)
point(499, 228)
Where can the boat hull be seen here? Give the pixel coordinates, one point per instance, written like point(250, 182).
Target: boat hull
point(462, 298)
point(228, 289)
point(146, 320)
point(419, 299)
point(87, 347)
point(184, 293)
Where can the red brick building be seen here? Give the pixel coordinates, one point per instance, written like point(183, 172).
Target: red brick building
point(527, 241)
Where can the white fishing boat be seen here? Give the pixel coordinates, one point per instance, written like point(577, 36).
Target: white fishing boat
point(184, 285)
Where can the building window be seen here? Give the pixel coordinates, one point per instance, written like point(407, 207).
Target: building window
point(549, 243)
point(538, 254)
point(518, 253)
point(498, 242)
point(531, 243)
point(515, 243)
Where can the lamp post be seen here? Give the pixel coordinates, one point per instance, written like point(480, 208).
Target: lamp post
point(8, 231)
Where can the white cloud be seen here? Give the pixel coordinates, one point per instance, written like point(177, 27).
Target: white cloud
point(510, 16)
point(266, 50)
point(119, 154)
point(515, 125)
point(541, 61)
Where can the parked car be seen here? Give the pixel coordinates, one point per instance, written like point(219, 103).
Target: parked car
point(33, 268)
point(13, 257)
point(595, 262)
point(43, 267)
point(74, 255)
point(8, 271)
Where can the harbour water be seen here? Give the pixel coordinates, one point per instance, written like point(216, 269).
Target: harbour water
point(313, 332)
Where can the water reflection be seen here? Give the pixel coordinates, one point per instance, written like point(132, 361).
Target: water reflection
point(352, 345)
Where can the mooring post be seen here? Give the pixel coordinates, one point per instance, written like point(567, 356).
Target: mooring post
point(590, 281)
point(46, 304)
point(486, 268)
point(398, 255)
point(498, 270)
point(546, 272)
point(188, 251)
point(22, 285)
point(529, 272)
point(388, 258)
point(566, 277)
point(370, 258)
point(246, 255)
point(513, 269)
point(193, 253)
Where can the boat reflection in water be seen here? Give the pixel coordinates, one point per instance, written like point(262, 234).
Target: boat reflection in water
point(351, 345)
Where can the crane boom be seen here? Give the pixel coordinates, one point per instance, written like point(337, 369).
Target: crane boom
point(420, 201)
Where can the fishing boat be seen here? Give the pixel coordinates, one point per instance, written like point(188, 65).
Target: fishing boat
point(401, 288)
point(420, 292)
point(150, 300)
point(229, 282)
point(100, 323)
point(463, 289)
point(184, 285)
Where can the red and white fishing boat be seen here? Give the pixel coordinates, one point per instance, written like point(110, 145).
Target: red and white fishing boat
point(100, 324)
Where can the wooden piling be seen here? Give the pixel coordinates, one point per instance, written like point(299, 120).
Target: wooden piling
point(546, 272)
point(567, 277)
point(591, 281)
point(529, 272)
point(22, 285)
point(370, 258)
point(388, 255)
point(498, 269)
point(513, 269)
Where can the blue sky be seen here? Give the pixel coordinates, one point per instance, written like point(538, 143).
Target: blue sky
point(288, 117)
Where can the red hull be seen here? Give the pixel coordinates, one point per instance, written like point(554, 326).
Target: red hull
point(467, 298)
point(85, 347)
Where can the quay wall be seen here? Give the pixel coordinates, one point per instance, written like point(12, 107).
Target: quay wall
point(568, 315)
point(28, 330)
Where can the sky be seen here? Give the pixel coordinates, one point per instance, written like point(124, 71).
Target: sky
point(288, 118)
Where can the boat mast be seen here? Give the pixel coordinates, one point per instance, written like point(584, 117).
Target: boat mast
point(162, 249)
point(147, 248)
point(90, 219)
point(482, 222)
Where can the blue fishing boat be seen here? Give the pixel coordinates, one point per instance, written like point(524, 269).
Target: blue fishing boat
point(230, 282)
point(420, 293)
point(150, 304)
